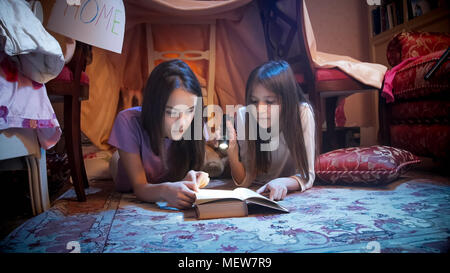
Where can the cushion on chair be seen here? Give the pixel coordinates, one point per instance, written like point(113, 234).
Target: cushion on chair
point(374, 165)
point(330, 74)
point(412, 44)
point(424, 140)
point(66, 75)
point(409, 81)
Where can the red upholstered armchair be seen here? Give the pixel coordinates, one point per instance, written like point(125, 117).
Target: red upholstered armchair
point(414, 113)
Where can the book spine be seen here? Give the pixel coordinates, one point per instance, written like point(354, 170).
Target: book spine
point(376, 24)
point(383, 18)
point(410, 10)
point(389, 16)
point(399, 11)
point(394, 14)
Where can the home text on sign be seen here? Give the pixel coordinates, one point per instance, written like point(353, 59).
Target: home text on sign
point(100, 23)
point(90, 12)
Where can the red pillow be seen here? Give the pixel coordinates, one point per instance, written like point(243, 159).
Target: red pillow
point(374, 165)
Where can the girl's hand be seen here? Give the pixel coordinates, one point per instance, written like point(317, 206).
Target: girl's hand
point(180, 195)
point(277, 189)
point(231, 136)
point(200, 178)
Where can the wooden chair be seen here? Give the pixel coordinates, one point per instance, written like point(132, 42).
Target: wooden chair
point(209, 55)
point(72, 84)
point(280, 31)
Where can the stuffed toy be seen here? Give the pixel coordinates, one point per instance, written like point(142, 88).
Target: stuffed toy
point(216, 162)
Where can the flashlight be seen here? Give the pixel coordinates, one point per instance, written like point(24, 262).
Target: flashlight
point(223, 143)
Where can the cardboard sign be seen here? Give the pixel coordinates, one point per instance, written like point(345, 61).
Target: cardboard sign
point(100, 23)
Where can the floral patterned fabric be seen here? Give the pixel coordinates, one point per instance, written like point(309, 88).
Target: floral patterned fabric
point(374, 165)
point(413, 44)
point(424, 140)
point(421, 108)
point(25, 104)
point(411, 216)
point(409, 81)
point(426, 112)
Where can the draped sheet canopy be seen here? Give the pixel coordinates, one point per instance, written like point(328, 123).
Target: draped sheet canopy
point(240, 47)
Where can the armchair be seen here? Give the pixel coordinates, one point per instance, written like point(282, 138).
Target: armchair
point(323, 85)
point(415, 109)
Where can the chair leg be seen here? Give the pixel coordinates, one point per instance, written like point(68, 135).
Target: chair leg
point(315, 100)
point(83, 169)
point(330, 108)
point(72, 109)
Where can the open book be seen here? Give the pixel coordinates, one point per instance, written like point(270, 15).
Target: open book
point(231, 203)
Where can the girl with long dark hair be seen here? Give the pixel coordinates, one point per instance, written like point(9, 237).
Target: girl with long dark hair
point(157, 154)
point(281, 155)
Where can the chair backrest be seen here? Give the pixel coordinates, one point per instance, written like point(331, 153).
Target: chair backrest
point(81, 58)
point(190, 55)
point(62, 86)
point(281, 31)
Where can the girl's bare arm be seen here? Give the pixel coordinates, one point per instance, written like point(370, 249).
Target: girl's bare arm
point(177, 194)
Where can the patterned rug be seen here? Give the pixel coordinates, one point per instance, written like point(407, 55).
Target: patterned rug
point(410, 215)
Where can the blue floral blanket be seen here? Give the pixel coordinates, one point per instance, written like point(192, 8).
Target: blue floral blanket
point(407, 216)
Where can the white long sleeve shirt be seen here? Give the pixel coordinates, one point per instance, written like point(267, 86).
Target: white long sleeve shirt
point(283, 164)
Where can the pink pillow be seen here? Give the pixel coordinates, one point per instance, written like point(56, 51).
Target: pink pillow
point(374, 165)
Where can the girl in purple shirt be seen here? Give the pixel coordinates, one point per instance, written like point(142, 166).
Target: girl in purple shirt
point(157, 152)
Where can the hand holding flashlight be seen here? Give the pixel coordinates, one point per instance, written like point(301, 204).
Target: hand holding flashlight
point(223, 142)
point(228, 134)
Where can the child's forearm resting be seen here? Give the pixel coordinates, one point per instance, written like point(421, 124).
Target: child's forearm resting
point(149, 192)
point(142, 189)
point(237, 168)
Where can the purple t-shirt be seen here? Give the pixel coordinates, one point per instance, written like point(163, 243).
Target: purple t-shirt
point(128, 135)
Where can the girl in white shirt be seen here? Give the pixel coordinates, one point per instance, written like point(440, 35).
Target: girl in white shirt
point(281, 160)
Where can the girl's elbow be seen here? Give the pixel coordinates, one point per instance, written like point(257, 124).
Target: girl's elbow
point(139, 193)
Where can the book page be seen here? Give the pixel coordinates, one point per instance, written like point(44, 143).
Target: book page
point(256, 198)
point(267, 203)
point(208, 195)
point(245, 193)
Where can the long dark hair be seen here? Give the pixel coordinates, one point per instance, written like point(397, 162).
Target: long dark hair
point(185, 154)
point(277, 76)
